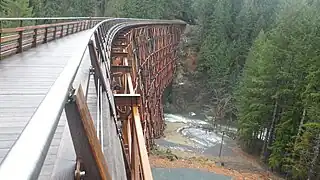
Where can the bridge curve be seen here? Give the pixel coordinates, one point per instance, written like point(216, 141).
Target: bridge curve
point(108, 90)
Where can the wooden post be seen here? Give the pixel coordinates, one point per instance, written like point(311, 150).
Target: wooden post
point(72, 30)
point(61, 35)
point(90, 23)
point(20, 48)
point(134, 154)
point(55, 32)
point(85, 141)
point(81, 25)
point(76, 27)
point(34, 42)
point(68, 26)
point(20, 42)
point(221, 145)
point(138, 131)
point(45, 40)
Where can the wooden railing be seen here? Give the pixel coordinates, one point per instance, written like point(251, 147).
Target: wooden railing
point(17, 39)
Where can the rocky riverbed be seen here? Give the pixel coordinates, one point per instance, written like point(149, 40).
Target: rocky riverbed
point(198, 148)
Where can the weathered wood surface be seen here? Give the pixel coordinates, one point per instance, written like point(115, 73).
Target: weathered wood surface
point(24, 81)
point(85, 141)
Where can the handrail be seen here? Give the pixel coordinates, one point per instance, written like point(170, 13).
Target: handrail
point(29, 151)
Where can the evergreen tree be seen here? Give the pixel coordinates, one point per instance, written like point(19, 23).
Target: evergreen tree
point(290, 61)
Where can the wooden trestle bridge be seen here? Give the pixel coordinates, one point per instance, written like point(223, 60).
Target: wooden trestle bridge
point(81, 98)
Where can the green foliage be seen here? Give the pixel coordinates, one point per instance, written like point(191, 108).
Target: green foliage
point(114, 8)
point(164, 153)
point(283, 67)
point(259, 87)
point(15, 8)
point(304, 151)
point(147, 9)
point(158, 9)
point(227, 32)
point(73, 8)
point(47, 8)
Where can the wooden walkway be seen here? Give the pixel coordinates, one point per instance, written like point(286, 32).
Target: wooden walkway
point(25, 79)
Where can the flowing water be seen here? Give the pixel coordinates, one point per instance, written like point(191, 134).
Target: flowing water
point(204, 141)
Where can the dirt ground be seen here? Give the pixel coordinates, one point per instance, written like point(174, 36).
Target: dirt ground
point(239, 165)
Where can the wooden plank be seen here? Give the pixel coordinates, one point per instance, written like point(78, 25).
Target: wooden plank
point(122, 69)
point(144, 160)
point(119, 54)
point(9, 46)
point(9, 38)
point(127, 99)
point(85, 141)
point(134, 156)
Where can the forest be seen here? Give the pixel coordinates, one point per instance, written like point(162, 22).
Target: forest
point(258, 62)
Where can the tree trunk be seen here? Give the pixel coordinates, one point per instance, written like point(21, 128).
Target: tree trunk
point(271, 135)
point(302, 121)
point(261, 134)
point(97, 8)
point(301, 124)
point(264, 148)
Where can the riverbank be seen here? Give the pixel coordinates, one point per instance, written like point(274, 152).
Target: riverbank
point(195, 148)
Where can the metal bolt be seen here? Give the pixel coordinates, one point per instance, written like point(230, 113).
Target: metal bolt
point(82, 173)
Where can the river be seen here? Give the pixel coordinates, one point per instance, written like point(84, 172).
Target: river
point(204, 141)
